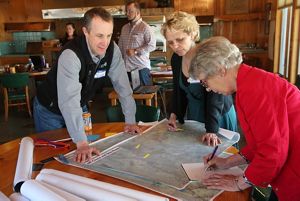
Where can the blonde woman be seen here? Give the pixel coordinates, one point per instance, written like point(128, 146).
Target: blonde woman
point(190, 98)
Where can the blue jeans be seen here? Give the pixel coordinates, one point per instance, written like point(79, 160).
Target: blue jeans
point(145, 77)
point(44, 119)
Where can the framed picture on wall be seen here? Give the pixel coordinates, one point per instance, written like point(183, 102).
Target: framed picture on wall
point(236, 7)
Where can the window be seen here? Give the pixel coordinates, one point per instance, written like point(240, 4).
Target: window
point(287, 37)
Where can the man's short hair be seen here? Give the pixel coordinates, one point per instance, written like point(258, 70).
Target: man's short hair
point(135, 3)
point(96, 12)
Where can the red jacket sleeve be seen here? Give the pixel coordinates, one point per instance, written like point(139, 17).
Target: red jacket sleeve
point(264, 120)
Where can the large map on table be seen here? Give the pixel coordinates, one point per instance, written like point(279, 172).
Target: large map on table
point(154, 159)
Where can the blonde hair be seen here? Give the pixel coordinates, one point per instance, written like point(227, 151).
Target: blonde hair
point(212, 55)
point(182, 21)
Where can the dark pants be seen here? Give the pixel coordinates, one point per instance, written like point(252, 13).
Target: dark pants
point(145, 77)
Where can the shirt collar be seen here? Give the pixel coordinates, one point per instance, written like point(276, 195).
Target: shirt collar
point(136, 22)
point(96, 58)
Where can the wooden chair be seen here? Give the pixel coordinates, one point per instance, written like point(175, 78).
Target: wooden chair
point(144, 113)
point(15, 91)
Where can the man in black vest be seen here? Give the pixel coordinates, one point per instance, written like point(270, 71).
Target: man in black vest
point(82, 66)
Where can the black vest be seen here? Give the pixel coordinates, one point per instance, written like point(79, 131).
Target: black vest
point(47, 91)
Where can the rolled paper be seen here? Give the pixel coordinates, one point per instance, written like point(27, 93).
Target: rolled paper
point(3, 197)
point(35, 191)
point(17, 197)
point(24, 163)
point(82, 190)
point(107, 186)
point(64, 194)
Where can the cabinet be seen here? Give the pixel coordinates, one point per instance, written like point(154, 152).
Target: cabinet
point(198, 7)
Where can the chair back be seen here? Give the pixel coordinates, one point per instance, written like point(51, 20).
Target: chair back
point(16, 80)
point(114, 114)
point(147, 113)
point(143, 113)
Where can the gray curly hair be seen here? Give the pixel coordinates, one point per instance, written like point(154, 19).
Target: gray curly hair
point(213, 54)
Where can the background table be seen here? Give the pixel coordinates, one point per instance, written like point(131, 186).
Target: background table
point(113, 96)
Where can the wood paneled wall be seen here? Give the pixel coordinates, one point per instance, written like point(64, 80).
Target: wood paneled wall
point(248, 27)
point(242, 28)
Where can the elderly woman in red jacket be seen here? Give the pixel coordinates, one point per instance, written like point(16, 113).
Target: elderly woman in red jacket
point(268, 109)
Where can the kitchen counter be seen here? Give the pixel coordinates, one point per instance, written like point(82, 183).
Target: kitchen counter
point(18, 55)
point(12, 59)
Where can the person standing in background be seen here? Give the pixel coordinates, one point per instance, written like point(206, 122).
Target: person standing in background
point(70, 33)
point(181, 31)
point(82, 67)
point(136, 42)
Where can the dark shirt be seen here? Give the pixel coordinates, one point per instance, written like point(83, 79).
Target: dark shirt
point(215, 105)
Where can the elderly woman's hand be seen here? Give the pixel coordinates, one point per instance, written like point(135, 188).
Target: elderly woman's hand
point(216, 162)
point(224, 182)
point(211, 139)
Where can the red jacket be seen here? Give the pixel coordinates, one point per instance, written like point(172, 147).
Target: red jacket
point(268, 109)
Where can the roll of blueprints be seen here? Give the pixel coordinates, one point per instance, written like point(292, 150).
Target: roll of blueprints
point(3, 197)
point(35, 191)
point(62, 193)
point(107, 186)
point(82, 190)
point(17, 197)
point(24, 163)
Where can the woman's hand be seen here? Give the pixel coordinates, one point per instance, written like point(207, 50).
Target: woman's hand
point(211, 139)
point(172, 122)
point(216, 162)
point(223, 182)
point(84, 152)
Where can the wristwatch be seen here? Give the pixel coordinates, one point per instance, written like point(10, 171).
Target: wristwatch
point(135, 52)
point(247, 181)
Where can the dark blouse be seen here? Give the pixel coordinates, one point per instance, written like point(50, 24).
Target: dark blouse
point(214, 105)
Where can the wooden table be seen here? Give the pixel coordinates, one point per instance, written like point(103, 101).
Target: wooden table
point(9, 154)
point(38, 73)
point(162, 74)
point(113, 96)
point(35, 74)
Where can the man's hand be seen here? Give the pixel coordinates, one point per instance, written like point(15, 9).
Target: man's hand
point(132, 128)
point(172, 122)
point(130, 52)
point(211, 139)
point(84, 152)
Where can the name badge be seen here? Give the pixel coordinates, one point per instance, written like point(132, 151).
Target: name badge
point(100, 73)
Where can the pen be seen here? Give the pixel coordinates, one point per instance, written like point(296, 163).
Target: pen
point(213, 154)
point(211, 157)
